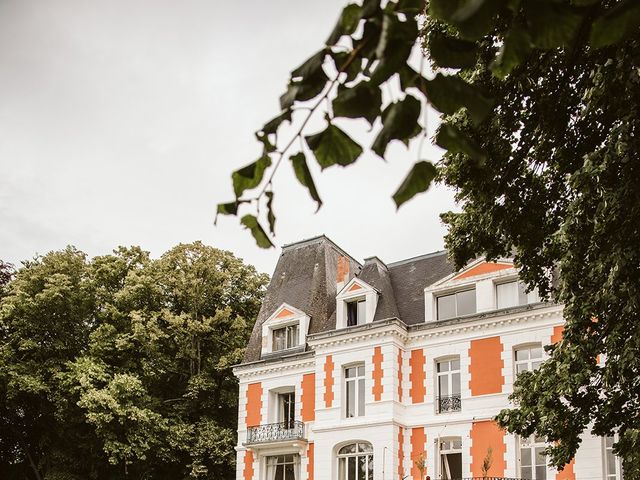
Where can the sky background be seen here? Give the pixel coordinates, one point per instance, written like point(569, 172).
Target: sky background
point(121, 122)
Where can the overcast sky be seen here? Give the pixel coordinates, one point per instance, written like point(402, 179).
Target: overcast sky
point(122, 120)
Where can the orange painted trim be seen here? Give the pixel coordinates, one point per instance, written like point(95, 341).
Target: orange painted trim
point(485, 366)
point(310, 461)
point(567, 473)
point(399, 375)
point(285, 312)
point(377, 388)
point(328, 381)
point(485, 435)
point(418, 450)
point(417, 376)
point(308, 397)
point(248, 465)
point(354, 287)
point(400, 453)
point(558, 331)
point(254, 404)
point(483, 268)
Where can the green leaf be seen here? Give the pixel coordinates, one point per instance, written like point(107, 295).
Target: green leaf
point(399, 122)
point(617, 23)
point(450, 52)
point(250, 176)
point(418, 180)
point(347, 23)
point(333, 147)
point(413, 7)
point(272, 125)
point(370, 8)
point(449, 93)
point(362, 101)
point(340, 60)
point(303, 90)
point(261, 238)
point(472, 18)
point(311, 66)
point(394, 46)
point(303, 175)
point(455, 141)
point(230, 208)
point(551, 24)
point(263, 138)
point(271, 218)
point(517, 45)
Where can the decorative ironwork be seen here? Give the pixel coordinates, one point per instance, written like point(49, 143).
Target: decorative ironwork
point(276, 432)
point(449, 403)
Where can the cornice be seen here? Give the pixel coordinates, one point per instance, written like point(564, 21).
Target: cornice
point(284, 364)
point(380, 328)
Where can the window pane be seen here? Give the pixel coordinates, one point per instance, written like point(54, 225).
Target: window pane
point(455, 364)
point(350, 372)
point(351, 399)
point(525, 457)
point(541, 472)
point(446, 307)
point(361, 371)
point(522, 354)
point(536, 352)
point(362, 467)
point(535, 365)
point(455, 384)
point(278, 339)
point(369, 467)
point(279, 472)
point(361, 312)
point(365, 447)
point(351, 448)
point(522, 295)
point(351, 468)
point(443, 385)
point(521, 367)
point(466, 302)
point(361, 396)
point(611, 463)
point(342, 471)
point(289, 472)
point(525, 472)
point(507, 294)
point(443, 366)
point(352, 314)
point(292, 340)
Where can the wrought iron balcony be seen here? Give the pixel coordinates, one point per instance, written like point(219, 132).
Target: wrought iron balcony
point(448, 403)
point(276, 432)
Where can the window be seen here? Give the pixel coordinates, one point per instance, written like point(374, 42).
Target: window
point(512, 294)
point(356, 313)
point(533, 462)
point(354, 388)
point(528, 359)
point(456, 304)
point(283, 467)
point(450, 458)
point(287, 409)
point(612, 467)
point(448, 374)
point(285, 337)
point(355, 462)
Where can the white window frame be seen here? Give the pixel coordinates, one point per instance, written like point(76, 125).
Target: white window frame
point(530, 297)
point(359, 403)
point(287, 336)
point(345, 456)
point(269, 474)
point(276, 321)
point(454, 293)
point(360, 320)
point(617, 475)
point(531, 443)
point(529, 362)
point(346, 295)
point(449, 374)
point(442, 451)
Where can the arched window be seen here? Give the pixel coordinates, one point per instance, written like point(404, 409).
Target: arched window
point(355, 462)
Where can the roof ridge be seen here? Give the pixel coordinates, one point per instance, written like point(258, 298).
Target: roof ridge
point(417, 257)
point(318, 239)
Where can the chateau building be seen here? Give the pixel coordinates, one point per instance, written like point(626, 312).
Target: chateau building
point(381, 371)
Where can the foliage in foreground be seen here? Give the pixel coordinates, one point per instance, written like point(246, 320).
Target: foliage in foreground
point(541, 127)
point(119, 366)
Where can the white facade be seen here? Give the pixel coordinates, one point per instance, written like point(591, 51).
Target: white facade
point(403, 419)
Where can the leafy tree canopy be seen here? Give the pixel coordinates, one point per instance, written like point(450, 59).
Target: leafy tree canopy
point(540, 124)
point(119, 366)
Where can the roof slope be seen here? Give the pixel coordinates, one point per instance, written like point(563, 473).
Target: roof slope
point(376, 274)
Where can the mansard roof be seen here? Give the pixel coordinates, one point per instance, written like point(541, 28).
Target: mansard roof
point(308, 273)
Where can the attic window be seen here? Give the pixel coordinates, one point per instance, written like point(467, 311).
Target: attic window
point(285, 337)
point(456, 304)
point(356, 312)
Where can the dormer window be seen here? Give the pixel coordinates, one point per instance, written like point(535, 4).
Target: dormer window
point(456, 304)
point(513, 294)
point(356, 312)
point(285, 337)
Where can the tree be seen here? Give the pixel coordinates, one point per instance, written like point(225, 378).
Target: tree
point(120, 367)
point(540, 126)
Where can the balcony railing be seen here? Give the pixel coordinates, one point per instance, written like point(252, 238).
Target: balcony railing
point(448, 403)
point(276, 432)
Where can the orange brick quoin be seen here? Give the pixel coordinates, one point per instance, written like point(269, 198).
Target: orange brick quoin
point(308, 397)
point(417, 376)
point(328, 381)
point(418, 450)
point(567, 473)
point(254, 404)
point(485, 435)
point(399, 375)
point(284, 313)
point(377, 388)
point(558, 330)
point(485, 366)
point(310, 453)
point(482, 268)
point(248, 465)
point(400, 453)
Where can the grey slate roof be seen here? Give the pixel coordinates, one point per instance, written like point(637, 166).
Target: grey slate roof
point(305, 278)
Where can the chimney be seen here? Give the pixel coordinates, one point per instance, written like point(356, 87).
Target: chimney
point(342, 272)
